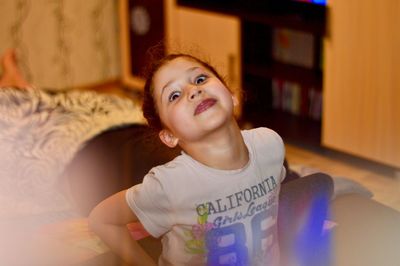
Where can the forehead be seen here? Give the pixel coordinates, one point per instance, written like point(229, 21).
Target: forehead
point(174, 69)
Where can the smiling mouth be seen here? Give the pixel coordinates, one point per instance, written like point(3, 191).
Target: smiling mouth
point(204, 105)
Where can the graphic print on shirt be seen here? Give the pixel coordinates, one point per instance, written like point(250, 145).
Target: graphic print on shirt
point(196, 243)
point(238, 229)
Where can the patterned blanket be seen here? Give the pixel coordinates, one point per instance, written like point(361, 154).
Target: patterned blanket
point(40, 132)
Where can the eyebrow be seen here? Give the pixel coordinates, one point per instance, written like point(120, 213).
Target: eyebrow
point(171, 81)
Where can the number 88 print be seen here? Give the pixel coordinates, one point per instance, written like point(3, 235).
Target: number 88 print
point(229, 245)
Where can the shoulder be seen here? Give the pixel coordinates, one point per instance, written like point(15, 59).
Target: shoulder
point(162, 180)
point(267, 150)
point(176, 164)
point(262, 135)
point(171, 170)
point(264, 143)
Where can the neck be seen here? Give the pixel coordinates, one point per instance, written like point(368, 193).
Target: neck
point(224, 149)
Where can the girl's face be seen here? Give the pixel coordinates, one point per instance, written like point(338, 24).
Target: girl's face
point(191, 101)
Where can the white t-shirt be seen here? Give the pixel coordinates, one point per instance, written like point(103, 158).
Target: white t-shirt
point(213, 217)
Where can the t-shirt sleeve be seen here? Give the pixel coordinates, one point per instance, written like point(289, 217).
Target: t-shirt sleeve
point(280, 148)
point(151, 205)
point(270, 148)
point(283, 173)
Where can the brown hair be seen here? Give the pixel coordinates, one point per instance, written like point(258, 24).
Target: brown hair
point(149, 108)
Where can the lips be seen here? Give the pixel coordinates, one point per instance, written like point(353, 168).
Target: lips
point(204, 105)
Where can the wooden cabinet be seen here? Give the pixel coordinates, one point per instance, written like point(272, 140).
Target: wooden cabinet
point(209, 36)
point(361, 80)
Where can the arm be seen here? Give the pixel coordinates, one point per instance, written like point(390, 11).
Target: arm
point(109, 220)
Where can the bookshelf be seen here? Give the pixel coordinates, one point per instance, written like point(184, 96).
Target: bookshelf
point(264, 64)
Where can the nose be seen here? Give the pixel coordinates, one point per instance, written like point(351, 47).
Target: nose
point(195, 92)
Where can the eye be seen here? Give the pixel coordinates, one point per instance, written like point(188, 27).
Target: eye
point(200, 79)
point(174, 95)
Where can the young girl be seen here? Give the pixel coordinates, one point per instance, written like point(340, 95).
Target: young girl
point(217, 202)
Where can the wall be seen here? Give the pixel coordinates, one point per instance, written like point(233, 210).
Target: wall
point(62, 43)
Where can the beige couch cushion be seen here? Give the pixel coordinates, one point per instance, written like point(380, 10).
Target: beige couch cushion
point(367, 232)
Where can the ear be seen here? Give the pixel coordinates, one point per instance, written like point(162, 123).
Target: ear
point(235, 100)
point(168, 138)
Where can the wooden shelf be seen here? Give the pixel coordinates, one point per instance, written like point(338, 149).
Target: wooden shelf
point(292, 128)
point(301, 75)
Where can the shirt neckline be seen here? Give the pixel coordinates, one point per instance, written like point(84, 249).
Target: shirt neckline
point(222, 171)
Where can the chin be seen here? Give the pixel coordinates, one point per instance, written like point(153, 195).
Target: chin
point(215, 122)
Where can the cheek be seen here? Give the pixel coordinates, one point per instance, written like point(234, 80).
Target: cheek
point(175, 118)
point(179, 117)
point(227, 97)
